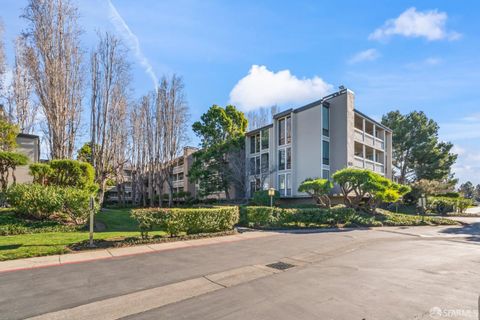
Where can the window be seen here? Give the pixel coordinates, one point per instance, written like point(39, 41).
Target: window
point(285, 159)
point(265, 163)
point(284, 131)
point(257, 165)
point(289, 130)
point(252, 166)
point(326, 121)
point(281, 132)
point(289, 158)
point(257, 143)
point(180, 176)
point(252, 144)
point(326, 174)
point(281, 159)
point(254, 186)
point(285, 184)
point(265, 139)
point(326, 152)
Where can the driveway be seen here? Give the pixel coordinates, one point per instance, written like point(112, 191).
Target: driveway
point(382, 273)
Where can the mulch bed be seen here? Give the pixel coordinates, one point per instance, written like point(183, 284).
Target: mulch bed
point(133, 241)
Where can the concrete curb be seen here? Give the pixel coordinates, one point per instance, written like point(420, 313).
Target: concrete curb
point(85, 256)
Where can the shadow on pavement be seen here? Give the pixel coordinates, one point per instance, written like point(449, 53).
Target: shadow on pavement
point(472, 229)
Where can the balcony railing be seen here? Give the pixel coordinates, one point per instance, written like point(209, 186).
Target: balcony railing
point(364, 163)
point(368, 139)
point(178, 169)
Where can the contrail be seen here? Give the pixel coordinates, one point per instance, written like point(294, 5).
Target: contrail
point(133, 42)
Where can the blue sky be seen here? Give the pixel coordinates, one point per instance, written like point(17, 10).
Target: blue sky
point(406, 55)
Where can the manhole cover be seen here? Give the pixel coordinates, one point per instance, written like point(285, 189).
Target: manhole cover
point(280, 265)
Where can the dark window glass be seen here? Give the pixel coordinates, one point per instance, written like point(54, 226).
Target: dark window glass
point(257, 165)
point(326, 121)
point(326, 174)
point(265, 139)
point(289, 184)
point(252, 188)
point(257, 143)
point(289, 130)
point(265, 163)
point(281, 159)
point(281, 132)
point(289, 158)
point(326, 152)
point(252, 144)
point(252, 166)
point(281, 185)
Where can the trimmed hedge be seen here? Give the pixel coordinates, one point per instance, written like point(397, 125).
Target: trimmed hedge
point(188, 220)
point(267, 217)
point(444, 205)
point(50, 202)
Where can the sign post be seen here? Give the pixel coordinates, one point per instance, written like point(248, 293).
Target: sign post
point(92, 211)
point(271, 193)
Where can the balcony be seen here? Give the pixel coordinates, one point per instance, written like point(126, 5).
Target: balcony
point(363, 163)
point(178, 169)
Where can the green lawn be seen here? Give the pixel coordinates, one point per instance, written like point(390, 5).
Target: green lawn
point(118, 224)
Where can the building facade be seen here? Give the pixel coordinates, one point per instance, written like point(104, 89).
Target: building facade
point(315, 140)
point(28, 145)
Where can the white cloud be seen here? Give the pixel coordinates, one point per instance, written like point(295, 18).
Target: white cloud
point(366, 55)
point(263, 88)
point(133, 42)
point(432, 61)
point(429, 24)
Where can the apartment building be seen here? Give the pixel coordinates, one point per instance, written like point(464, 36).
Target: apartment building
point(315, 140)
point(28, 145)
point(181, 182)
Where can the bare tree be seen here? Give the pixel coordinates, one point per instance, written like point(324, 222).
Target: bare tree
point(21, 108)
point(173, 112)
point(261, 117)
point(2, 59)
point(110, 74)
point(54, 61)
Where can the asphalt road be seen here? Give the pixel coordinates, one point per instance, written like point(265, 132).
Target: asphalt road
point(386, 273)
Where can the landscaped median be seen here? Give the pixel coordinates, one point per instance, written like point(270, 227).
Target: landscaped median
point(274, 217)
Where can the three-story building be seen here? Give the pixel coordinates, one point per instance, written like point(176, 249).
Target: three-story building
point(316, 140)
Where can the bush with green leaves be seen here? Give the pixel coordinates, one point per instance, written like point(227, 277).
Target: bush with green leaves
point(364, 189)
point(10, 225)
point(9, 161)
point(34, 200)
point(189, 220)
point(261, 198)
point(40, 172)
point(71, 173)
point(318, 189)
point(267, 217)
point(66, 204)
point(444, 205)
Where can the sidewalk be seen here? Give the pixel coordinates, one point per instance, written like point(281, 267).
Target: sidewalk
point(90, 255)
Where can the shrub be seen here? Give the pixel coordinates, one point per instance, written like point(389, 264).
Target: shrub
point(318, 189)
point(72, 173)
point(443, 205)
point(367, 188)
point(34, 200)
point(40, 172)
point(190, 221)
point(9, 161)
point(282, 217)
point(12, 225)
point(76, 204)
point(50, 202)
point(261, 198)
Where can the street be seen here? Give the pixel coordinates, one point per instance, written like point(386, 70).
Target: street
point(381, 273)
